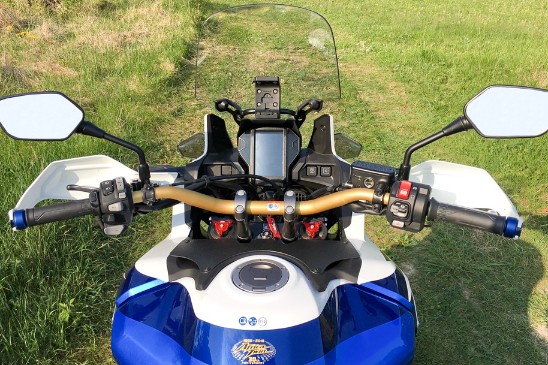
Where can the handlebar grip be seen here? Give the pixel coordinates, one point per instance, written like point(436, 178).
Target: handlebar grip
point(504, 226)
point(24, 218)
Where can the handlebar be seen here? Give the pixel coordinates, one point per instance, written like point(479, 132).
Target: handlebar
point(504, 226)
point(224, 206)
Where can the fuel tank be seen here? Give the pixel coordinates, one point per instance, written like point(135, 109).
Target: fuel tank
point(156, 322)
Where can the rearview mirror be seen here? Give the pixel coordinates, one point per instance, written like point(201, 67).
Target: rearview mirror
point(509, 111)
point(47, 116)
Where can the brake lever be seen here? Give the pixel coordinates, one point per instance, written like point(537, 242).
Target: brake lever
point(85, 189)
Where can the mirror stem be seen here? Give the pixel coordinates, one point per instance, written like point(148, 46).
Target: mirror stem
point(405, 167)
point(90, 129)
point(460, 124)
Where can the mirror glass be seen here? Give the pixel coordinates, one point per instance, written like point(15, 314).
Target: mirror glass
point(39, 116)
point(346, 147)
point(509, 111)
point(193, 146)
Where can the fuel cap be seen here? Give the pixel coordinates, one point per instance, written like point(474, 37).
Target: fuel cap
point(260, 276)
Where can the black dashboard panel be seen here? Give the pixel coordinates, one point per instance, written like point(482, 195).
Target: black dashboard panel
point(318, 164)
point(220, 158)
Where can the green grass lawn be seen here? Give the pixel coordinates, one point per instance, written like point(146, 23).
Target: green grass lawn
point(407, 69)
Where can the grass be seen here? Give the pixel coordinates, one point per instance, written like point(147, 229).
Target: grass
point(407, 69)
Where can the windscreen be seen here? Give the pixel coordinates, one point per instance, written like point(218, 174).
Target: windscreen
point(240, 43)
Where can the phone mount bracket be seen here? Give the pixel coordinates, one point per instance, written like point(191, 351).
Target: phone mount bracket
point(267, 97)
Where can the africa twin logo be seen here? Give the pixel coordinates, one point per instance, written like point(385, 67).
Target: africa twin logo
point(253, 351)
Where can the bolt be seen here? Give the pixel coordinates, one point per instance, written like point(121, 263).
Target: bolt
point(275, 91)
point(258, 104)
point(259, 91)
point(275, 104)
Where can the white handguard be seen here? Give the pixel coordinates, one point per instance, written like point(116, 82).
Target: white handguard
point(464, 186)
point(87, 171)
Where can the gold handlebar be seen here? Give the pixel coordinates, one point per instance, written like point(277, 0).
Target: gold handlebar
point(223, 206)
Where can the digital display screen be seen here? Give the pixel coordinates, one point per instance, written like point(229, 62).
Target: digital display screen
point(269, 153)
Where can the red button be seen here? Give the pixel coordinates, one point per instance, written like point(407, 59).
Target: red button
point(404, 190)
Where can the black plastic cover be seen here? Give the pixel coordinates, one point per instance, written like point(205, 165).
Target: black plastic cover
point(370, 175)
point(318, 165)
point(321, 262)
point(221, 158)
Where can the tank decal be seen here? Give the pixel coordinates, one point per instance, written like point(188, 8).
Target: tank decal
point(133, 278)
point(137, 290)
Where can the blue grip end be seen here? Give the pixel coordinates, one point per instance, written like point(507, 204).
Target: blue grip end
point(512, 228)
point(18, 220)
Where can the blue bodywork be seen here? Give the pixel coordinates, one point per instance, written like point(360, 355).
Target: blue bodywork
point(155, 323)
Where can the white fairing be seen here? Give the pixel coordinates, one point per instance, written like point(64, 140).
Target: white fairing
point(374, 264)
point(297, 302)
point(463, 185)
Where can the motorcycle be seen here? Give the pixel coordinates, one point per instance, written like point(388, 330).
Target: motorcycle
point(267, 261)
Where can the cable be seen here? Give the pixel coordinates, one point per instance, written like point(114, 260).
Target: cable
point(229, 177)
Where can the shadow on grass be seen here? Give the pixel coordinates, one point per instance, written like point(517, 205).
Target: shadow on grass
point(473, 297)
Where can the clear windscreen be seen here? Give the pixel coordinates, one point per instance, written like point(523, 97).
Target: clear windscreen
point(240, 43)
